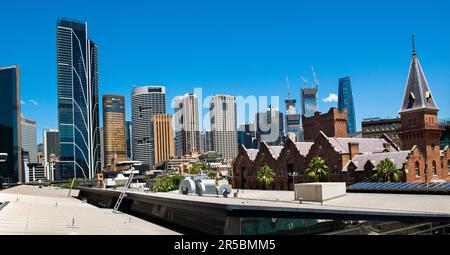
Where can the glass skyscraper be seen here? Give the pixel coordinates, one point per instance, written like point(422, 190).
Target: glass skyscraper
point(10, 135)
point(309, 101)
point(78, 109)
point(114, 138)
point(346, 101)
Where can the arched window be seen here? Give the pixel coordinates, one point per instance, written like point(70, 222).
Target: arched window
point(417, 168)
point(434, 168)
point(448, 166)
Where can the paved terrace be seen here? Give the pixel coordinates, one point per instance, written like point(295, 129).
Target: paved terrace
point(45, 211)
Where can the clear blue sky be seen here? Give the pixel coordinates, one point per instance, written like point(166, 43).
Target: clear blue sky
point(235, 47)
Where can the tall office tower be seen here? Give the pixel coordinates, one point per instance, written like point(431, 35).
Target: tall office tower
point(129, 138)
point(205, 142)
point(51, 143)
point(247, 135)
point(10, 133)
point(29, 139)
point(346, 101)
point(164, 145)
point(223, 125)
point(51, 151)
point(186, 124)
point(146, 102)
point(292, 118)
point(269, 126)
point(309, 101)
point(114, 128)
point(78, 109)
point(102, 148)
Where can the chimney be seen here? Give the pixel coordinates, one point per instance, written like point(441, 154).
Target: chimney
point(353, 149)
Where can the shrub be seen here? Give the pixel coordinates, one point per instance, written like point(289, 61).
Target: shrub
point(167, 183)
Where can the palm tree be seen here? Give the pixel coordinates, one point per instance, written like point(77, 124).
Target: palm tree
point(317, 170)
point(387, 172)
point(265, 175)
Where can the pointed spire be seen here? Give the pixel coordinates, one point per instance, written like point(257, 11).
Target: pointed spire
point(417, 93)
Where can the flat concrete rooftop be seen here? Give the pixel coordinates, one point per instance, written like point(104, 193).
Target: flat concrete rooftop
point(372, 204)
point(49, 211)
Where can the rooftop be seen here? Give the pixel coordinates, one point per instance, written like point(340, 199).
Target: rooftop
point(363, 204)
point(46, 211)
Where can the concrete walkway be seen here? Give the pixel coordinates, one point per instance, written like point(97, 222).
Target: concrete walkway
point(48, 211)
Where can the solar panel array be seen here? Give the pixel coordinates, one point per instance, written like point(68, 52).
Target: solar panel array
point(401, 187)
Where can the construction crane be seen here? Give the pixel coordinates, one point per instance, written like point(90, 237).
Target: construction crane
point(304, 80)
point(316, 82)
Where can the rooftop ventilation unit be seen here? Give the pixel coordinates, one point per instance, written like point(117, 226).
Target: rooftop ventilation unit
point(194, 185)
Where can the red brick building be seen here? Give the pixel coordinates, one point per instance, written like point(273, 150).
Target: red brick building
point(353, 160)
point(333, 124)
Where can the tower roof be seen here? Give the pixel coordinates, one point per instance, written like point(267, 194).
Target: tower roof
point(417, 94)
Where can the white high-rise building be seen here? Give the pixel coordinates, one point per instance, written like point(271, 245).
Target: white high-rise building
point(187, 128)
point(224, 125)
point(29, 139)
point(146, 102)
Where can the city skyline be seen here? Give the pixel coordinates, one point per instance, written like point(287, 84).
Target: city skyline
point(381, 67)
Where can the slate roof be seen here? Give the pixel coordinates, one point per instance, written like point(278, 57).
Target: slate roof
point(275, 151)
point(252, 153)
point(366, 145)
point(398, 158)
point(303, 147)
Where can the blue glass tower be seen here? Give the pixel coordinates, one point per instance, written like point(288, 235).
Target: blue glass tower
point(346, 101)
point(10, 135)
point(78, 111)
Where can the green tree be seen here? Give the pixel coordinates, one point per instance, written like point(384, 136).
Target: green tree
point(387, 172)
point(212, 174)
point(195, 169)
point(265, 175)
point(317, 170)
point(167, 183)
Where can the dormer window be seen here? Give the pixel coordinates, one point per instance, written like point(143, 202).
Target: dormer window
point(411, 100)
point(428, 95)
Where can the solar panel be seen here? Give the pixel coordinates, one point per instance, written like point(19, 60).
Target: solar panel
point(403, 185)
point(384, 185)
point(436, 188)
point(371, 184)
point(422, 185)
point(365, 185)
point(397, 185)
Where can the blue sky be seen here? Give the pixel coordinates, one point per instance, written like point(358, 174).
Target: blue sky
point(236, 47)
